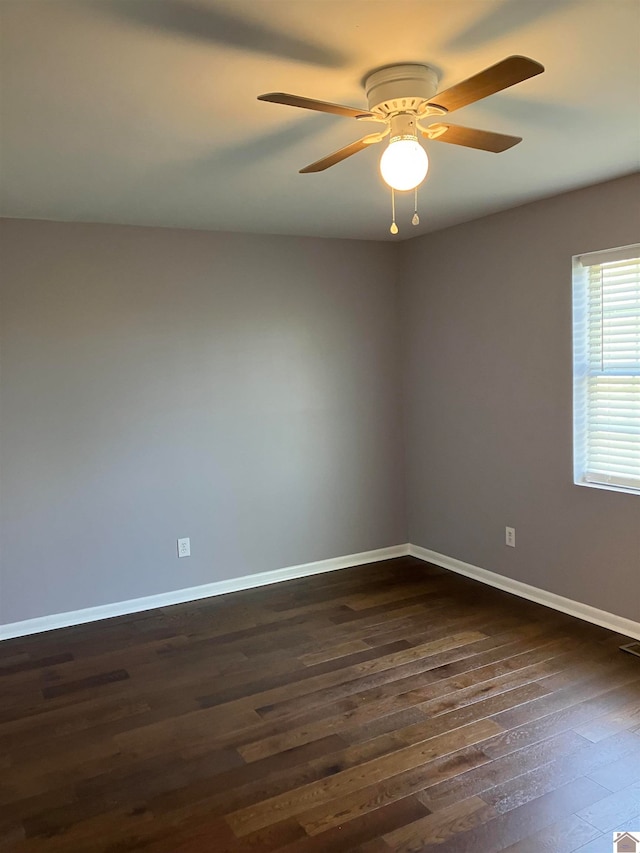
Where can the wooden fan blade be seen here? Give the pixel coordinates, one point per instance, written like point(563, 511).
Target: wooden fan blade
point(311, 104)
point(502, 75)
point(337, 156)
point(484, 140)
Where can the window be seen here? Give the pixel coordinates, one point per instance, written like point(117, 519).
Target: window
point(606, 346)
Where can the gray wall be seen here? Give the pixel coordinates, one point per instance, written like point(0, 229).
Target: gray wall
point(486, 308)
point(247, 392)
point(240, 390)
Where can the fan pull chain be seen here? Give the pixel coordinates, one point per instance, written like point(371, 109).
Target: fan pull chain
point(416, 219)
point(394, 227)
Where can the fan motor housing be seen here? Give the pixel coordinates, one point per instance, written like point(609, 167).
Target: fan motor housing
point(400, 88)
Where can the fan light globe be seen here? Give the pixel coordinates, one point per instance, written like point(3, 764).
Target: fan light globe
point(404, 164)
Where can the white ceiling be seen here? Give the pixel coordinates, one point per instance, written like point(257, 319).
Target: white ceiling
point(145, 111)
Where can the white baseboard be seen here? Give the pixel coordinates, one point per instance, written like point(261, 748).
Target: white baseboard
point(179, 596)
point(618, 624)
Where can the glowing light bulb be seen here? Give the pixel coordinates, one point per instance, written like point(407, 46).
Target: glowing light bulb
point(404, 164)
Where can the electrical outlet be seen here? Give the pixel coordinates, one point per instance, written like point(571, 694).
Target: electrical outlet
point(184, 547)
point(510, 536)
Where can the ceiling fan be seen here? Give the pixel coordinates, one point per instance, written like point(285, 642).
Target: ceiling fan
point(401, 97)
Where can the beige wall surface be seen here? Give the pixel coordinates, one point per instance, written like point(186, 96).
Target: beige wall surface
point(239, 390)
point(487, 318)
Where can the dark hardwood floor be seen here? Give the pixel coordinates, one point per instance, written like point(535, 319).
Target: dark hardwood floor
point(389, 707)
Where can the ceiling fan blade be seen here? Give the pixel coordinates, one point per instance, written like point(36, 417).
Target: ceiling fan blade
point(502, 75)
point(337, 156)
point(311, 104)
point(484, 140)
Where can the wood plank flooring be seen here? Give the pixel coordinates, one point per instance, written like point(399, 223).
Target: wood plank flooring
point(389, 707)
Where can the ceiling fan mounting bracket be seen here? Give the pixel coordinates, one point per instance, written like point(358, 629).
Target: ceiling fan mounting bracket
point(431, 110)
point(432, 131)
point(401, 88)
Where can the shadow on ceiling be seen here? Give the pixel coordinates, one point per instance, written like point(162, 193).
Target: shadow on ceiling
point(194, 20)
point(532, 113)
point(504, 18)
point(265, 146)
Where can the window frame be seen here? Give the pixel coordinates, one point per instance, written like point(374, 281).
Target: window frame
point(583, 371)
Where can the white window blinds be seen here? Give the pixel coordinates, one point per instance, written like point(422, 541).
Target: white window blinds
point(607, 368)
